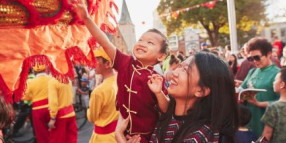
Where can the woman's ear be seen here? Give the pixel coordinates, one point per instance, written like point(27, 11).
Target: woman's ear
point(202, 92)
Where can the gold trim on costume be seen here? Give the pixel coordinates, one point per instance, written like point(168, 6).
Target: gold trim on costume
point(135, 69)
point(128, 110)
point(129, 89)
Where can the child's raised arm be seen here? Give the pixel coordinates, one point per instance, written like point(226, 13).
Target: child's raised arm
point(155, 84)
point(79, 7)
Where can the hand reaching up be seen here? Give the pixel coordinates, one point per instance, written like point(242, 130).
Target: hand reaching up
point(80, 9)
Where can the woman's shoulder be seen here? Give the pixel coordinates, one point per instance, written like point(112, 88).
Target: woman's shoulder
point(203, 134)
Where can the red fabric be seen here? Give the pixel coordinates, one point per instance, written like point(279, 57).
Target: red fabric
point(106, 129)
point(144, 102)
point(65, 131)
point(64, 111)
point(279, 46)
point(41, 118)
point(42, 36)
point(40, 103)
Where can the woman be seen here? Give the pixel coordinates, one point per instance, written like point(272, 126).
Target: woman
point(260, 51)
point(233, 64)
point(202, 107)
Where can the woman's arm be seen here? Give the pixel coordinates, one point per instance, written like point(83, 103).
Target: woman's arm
point(119, 132)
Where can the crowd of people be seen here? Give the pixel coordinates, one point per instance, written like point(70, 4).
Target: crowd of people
point(160, 95)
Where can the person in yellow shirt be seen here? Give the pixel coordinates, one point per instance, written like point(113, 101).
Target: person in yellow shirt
point(37, 93)
point(62, 125)
point(102, 112)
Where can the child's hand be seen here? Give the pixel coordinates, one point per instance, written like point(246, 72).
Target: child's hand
point(80, 9)
point(155, 83)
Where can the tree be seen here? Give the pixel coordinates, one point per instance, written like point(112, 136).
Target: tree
point(249, 13)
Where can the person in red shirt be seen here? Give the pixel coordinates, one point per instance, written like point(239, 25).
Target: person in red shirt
point(277, 46)
point(134, 97)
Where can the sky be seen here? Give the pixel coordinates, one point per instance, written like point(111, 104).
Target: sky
point(142, 11)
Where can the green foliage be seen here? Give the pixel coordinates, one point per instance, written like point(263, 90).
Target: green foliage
point(214, 21)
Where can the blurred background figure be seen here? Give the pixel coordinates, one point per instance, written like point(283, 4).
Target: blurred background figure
point(244, 135)
point(232, 62)
point(283, 58)
point(84, 91)
point(5, 115)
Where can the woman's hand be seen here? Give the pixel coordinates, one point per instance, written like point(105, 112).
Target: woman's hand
point(80, 9)
point(119, 132)
point(155, 83)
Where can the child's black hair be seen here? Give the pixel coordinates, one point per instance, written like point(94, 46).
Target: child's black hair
point(244, 115)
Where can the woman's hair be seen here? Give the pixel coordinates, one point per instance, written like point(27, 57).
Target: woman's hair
point(164, 44)
point(244, 115)
point(261, 44)
point(218, 109)
point(234, 67)
point(5, 113)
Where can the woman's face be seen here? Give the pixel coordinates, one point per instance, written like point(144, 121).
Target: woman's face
point(184, 79)
point(232, 58)
point(261, 61)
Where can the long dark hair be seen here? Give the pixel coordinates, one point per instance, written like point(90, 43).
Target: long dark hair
point(234, 64)
point(218, 109)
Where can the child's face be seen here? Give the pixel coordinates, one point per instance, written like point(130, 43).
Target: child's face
point(184, 80)
point(83, 83)
point(147, 49)
point(278, 83)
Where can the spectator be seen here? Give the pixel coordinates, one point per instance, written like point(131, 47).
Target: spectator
point(260, 77)
point(274, 118)
point(283, 58)
point(233, 64)
point(277, 45)
point(84, 92)
point(244, 135)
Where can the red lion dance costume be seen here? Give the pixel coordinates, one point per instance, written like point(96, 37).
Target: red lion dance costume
point(46, 32)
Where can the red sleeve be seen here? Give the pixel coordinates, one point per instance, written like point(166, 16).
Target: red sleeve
point(121, 60)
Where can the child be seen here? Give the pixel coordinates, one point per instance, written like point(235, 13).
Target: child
point(134, 98)
point(84, 91)
point(244, 135)
point(274, 118)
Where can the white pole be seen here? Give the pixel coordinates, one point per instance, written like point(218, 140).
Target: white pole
point(232, 26)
